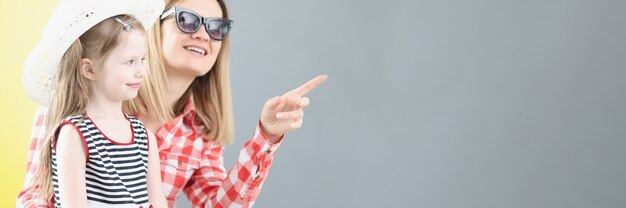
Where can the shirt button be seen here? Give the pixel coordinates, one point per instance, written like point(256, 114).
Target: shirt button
point(268, 151)
point(257, 177)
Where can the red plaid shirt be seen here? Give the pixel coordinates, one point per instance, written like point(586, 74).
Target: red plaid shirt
point(188, 163)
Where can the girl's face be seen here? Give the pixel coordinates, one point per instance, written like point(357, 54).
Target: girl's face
point(123, 70)
point(193, 54)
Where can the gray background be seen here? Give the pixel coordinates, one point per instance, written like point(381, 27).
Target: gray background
point(438, 103)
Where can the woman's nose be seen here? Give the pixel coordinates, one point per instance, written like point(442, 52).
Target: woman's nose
point(201, 34)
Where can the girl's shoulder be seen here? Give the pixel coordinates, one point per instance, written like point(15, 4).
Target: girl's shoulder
point(76, 119)
point(134, 119)
point(138, 126)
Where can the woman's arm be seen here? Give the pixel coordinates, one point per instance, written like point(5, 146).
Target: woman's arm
point(211, 186)
point(71, 162)
point(27, 197)
point(155, 186)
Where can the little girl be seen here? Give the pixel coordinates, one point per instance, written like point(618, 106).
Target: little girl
point(88, 64)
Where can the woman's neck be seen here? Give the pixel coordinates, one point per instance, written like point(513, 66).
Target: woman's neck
point(177, 85)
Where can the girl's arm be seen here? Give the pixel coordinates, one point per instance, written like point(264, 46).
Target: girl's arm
point(155, 185)
point(71, 162)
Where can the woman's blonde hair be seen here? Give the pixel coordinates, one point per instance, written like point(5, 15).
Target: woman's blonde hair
point(210, 93)
point(72, 92)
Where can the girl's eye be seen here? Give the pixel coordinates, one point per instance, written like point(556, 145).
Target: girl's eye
point(131, 62)
point(143, 60)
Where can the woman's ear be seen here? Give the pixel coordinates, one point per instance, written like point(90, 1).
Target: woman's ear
point(86, 69)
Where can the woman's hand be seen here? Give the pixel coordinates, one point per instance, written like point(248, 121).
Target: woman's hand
point(284, 113)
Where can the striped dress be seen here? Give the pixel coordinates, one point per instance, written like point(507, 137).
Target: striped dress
point(116, 173)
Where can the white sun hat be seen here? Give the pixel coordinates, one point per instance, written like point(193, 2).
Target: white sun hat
point(70, 19)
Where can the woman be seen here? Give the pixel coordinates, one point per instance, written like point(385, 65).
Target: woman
point(186, 101)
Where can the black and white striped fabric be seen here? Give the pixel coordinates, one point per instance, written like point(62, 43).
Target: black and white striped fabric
point(116, 174)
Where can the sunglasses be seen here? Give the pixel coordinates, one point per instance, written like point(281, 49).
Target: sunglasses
point(189, 22)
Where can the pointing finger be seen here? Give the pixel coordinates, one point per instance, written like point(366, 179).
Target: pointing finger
point(310, 85)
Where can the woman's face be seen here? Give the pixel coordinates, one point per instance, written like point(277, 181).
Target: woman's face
point(190, 54)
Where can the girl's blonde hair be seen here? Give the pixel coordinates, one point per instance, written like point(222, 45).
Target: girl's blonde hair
point(72, 92)
point(210, 93)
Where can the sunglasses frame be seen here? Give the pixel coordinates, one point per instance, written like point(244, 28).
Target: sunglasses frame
point(203, 21)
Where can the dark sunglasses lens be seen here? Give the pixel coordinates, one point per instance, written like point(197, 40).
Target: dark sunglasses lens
point(188, 22)
point(218, 29)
